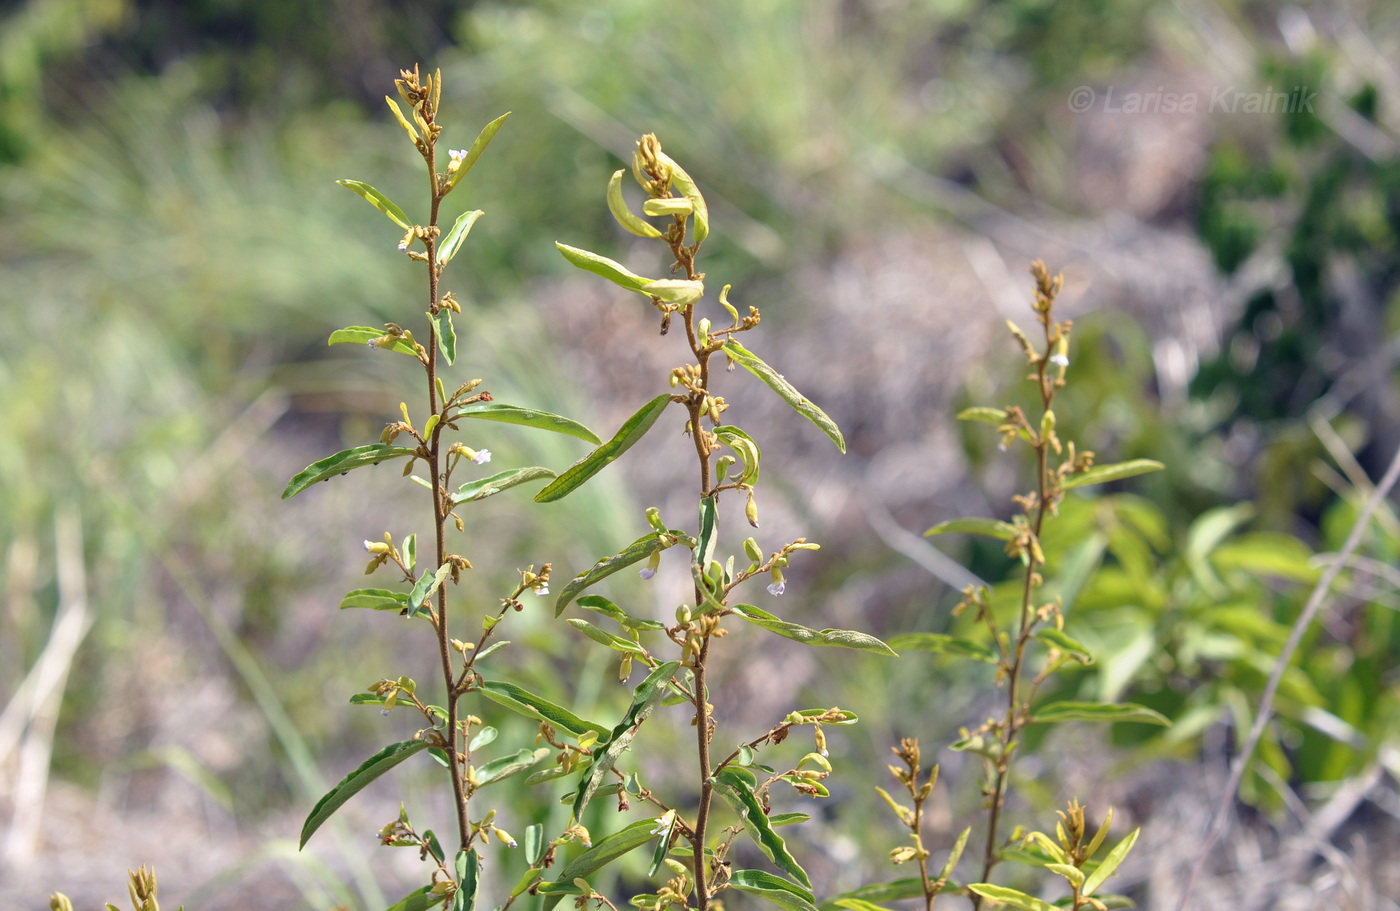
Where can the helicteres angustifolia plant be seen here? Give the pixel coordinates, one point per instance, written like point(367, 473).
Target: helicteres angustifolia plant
point(1024, 638)
point(592, 754)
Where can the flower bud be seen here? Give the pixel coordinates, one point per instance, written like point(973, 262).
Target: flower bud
point(751, 510)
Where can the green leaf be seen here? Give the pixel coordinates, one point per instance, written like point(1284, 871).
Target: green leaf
point(468, 867)
point(1268, 554)
point(612, 270)
point(1102, 474)
point(993, 416)
point(453, 241)
point(744, 447)
point(772, 888)
point(632, 430)
point(859, 904)
point(1110, 863)
point(506, 766)
point(606, 638)
point(363, 335)
point(418, 900)
point(682, 182)
point(785, 390)
point(1011, 897)
point(625, 217)
point(737, 786)
point(675, 290)
point(1109, 712)
point(663, 843)
point(895, 890)
point(340, 463)
point(942, 644)
point(636, 552)
point(531, 706)
point(595, 858)
point(379, 201)
point(484, 737)
point(425, 586)
point(527, 417)
point(708, 517)
point(955, 855)
point(446, 334)
point(1072, 647)
point(483, 139)
point(974, 525)
point(534, 843)
point(645, 699)
point(353, 783)
point(845, 638)
point(501, 480)
point(603, 606)
point(374, 599)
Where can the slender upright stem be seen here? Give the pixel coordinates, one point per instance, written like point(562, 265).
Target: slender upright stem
point(1014, 717)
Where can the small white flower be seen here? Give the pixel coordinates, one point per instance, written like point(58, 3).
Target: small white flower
point(646, 572)
point(482, 456)
point(777, 588)
point(457, 154)
point(542, 590)
point(403, 246)
point(1059, 360)
point(369, 546)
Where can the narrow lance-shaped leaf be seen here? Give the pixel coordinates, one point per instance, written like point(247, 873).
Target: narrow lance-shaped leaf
point(603, 606)
point(995, 416)
point(785, 390)
point(530, 705)
point(1011, 897)
point(468, 869)
point(1110, 863)
point(1108, 712)
point(418, 900)
point(374, 599)
point(483, 139)
point(844, 638)
point(603, 637)
point(446, 334)
point(625, 217)
point(506, 766)
point(737, 786)
point(895, 890)
point(453, 241)
point(425, 586)
point(942, 644)
point(632, 430)
point(645, 698)
point(363, 335)
point(502, 480)
point(595, 858)
point(610, 269)
point(974, 525)
point(636, 552)
point(378, 200)
point(527, 417)
point(773, 888)
point(353, 783)
point(341, 462)
point(1072, 647)
point(709, 515)
point(1102, 474)
point(683, 182)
